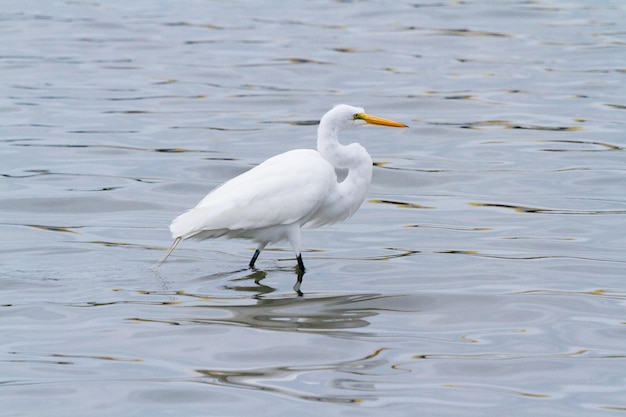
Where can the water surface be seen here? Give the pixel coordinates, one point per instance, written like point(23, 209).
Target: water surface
point(483, 276)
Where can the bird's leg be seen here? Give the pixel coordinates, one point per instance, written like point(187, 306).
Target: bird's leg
point(294, 238)
point(257, 252)
point(296, 286)
point(253, 260)
point(300, 263)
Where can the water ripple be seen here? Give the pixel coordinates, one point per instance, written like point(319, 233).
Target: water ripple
point(483, 276)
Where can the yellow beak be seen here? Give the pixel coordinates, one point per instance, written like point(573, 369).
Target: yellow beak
point(375, 120)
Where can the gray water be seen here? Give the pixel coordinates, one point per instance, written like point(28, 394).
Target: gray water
point(484, 275)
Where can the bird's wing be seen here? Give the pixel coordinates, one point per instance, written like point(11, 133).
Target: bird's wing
point(285, 189)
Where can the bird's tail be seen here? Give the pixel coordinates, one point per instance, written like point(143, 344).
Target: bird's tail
point(169, 251)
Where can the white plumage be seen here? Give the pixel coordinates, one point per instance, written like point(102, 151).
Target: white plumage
point(295, 189)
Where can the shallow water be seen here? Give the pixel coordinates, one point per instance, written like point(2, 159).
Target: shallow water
point(483, 276)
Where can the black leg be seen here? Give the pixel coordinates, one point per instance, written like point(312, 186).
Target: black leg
point(300, 263)
point(296, 286)
point(253, 260)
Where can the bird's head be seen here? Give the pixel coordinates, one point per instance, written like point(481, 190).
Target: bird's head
point(343, 116)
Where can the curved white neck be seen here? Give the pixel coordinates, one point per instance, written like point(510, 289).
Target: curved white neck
point(355, 158)
point(340, 156)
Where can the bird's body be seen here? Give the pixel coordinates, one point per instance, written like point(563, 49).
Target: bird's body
point(299, 188)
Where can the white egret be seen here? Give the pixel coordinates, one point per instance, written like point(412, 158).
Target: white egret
point(299, 188)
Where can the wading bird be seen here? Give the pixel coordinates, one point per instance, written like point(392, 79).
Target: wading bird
point(299, 188)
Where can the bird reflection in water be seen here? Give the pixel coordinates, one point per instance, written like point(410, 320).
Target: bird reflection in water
point(261, 289)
